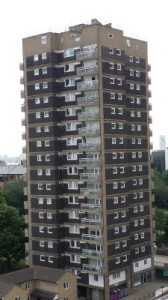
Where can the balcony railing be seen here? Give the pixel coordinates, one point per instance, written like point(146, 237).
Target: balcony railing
point(91, 221)
point(87, 191)
point(89, 206)
point(86, 161)
point(26, 232)
point(84, 116)
point(86, 54)
point(86, 70)
point(88, 100)
point(89, 146)
point(89, 131)
point(92, 268)
point(84, 85)
point(90, 237)
point(88, 252)
point(25, 204)
point(88, 176)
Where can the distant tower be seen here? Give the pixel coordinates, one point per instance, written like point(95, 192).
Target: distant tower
point(162, 142)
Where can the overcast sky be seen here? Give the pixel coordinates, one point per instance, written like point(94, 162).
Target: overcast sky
point(145, 19)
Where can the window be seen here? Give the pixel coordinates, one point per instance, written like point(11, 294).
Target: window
point(123, 214)
point(39, 172)
point(136, 250)
point(115, 200)
point(50, 244)
point(72, 185)
point(131, 72)
point(41, 215)
point(37, 100)
point(45, 85)
point(142, 222)
point(119, 96)
point(114, 170)
point(95, 277)
point(133, 154)
point(112, 81)
point(119, 67)
point(35, 57)
point(138, 87)
point(123, 199)
point(130, 58)
point(141, 208)
point(46, 129)
point(112, 95)
point(38, 115)
point(44, 55)
point(48, 172)
point(111, 51)
point(117, 260)
point(139, 141)
point(44, 70)
point(131, 86)
point(123, 228)
point(138, 100)
point(47, 157)
point(124, 243)
point(124, 258)
point(116, 230)
point(132, 127)
point(139, 154)
point(132, 100)
point(135, 195)
point(116, 275)
point(37, 86)
point(48, 186)
point(120, 111)
point(138, 114)
point(118, 52)
point(74, 244)
point(39, 157)
point(121, 141)
point(140, 181)
point(42, 258)
point(66, 285)
point(142, 235)
point(120, 125)
point(135, 223)
point(134, 181)
point(69, 97)
point(50, 259)
point(115, 185)
point(116, 215)
point(38, 129)
point(49, 201)
point(139, 127)
point(132, 114)
point(69, 52)
point(47, 143)
point(113, 125)
point(72, 156)
point(113, 140)
point(70, 111)
point(50, 230)
point(41, 229)
point(70, 126)
point(44, 39)
point(133, 141)
point(141, 194)
point(110, 35)
point(119, 82)
point(137, 60)
point(136, 236)
point(121, 155)
point(137, 73)
point(135, 209)
point(142, 248)
point(71, 141)
point(41, 243)
point(117, 245)
point(111, 65)
point(69, 68)
point(45, 100)
point(113, 110)
point(122, 184)
point(74, 229)
point(40, 186)
point(72, 170)
point(74, 214)
point(36, 72)
point(114, 155)
point(49, 215)
point(40, 201)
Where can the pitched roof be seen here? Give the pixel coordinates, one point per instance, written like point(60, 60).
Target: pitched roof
point(5, 288)
point(12, 170)
point(39, 273)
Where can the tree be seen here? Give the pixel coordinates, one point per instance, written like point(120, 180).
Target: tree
point(14, 195)
point(11, 234)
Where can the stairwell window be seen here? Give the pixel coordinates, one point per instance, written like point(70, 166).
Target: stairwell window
point(43, 39)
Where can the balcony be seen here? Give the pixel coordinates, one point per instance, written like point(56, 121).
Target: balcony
point(25, 204)
point(90, 176)
point(149, 68)
point(149, 106)
point(149, 94)
point(86, 54)
point(89, 131)
point(149, 80)
point(150, 120)
point(27, 260)
point(23, 122)
point(26, 232)
point(27, 247)
point(86, 85)
point(21, 80)
point(23, 108)
point(88, 161)
point(90, 237)
point(89, 146)
point(87, 221)
point(151, 146)
point(92, 268)
point(24, 150)
point(21, 67)
point(90, 191)
point(87, 100)
point(87, 70)
point(150, 132)
point(25, 191)
point(88, 252)
point(86, 116)
point(90, 206)
point(24, 136)
point(26, 219)
point(22, 94)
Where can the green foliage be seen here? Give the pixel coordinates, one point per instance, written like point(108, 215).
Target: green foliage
point(11, 234)
point(14, 195)
point(161, 189)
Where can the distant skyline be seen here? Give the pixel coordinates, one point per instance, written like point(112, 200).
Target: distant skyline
point(20, 19)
